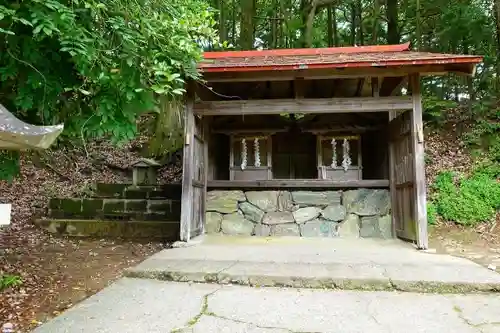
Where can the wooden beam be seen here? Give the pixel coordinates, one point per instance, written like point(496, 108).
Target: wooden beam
point(299, 88)
point(391, 84)
point(375, 87)
point(304, 106)
point(187, 203)
point(419, 164)
point(268, 131)
point(316, 74)
point(354, 129)
point(359, 88)
point(298, 183)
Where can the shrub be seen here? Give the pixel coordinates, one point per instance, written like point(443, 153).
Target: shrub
point(464, 200)
point(431, 213)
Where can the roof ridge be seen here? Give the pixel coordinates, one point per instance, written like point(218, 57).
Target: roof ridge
point(308, 51)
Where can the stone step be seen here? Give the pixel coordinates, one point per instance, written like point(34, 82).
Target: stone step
point(336, 263)
point(124, 209)
point(433, 279)
point(128, 191)
point(164, 230)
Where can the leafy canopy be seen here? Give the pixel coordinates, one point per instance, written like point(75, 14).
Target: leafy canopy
point(97, 65)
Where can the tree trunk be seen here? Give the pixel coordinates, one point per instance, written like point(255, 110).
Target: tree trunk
point(222, 21)
point(246, 24)
point(308, 9)
point(329, 35)
point(376, 16)
point(274, 25)
point(359, 19)
point(353, 24)
point(417, 27)
point(335, 31)
point(310, 24)
point(233, 23)
point(470, 86)
point(496, 10)
point(392, 22)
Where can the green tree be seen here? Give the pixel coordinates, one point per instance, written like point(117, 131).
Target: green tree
point(98, 65)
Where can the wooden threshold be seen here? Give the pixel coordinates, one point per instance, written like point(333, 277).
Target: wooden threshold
point(297, 183)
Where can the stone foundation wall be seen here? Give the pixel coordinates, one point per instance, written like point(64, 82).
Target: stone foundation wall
point(351, 213)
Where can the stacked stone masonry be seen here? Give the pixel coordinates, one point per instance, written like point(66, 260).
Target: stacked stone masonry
point(353, 213)
point(118, 210)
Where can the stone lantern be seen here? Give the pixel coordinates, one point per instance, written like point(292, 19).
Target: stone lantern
point(144, 172)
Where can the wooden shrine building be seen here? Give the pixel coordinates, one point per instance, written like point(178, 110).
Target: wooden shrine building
point(312, 119)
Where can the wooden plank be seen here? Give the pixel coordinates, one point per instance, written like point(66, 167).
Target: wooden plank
point(298, 183)
point(187, 166)
point(304, 106)
point(267, 131)
point(420, 199)
point(331, 73)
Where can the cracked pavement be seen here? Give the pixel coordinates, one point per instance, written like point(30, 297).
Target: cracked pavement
point(142, 305)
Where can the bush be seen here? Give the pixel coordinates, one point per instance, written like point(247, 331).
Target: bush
point(431, 213)
point(466, 201)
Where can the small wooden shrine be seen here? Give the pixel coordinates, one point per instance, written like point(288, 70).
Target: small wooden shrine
point(331, 118)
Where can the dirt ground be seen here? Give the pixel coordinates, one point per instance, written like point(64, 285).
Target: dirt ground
point(481, 245)
point(66, 271)
point(58, 273)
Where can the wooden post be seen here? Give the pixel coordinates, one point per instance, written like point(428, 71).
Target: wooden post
point(269, 157)
point(187, 203)
point(420, 200)
point(319, 156)
point(206, 141)
point(392, 168)
point(375, 87)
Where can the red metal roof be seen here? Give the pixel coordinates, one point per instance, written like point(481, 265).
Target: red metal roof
point(335, 57)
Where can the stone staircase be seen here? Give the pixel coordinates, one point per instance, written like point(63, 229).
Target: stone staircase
point(118, 210)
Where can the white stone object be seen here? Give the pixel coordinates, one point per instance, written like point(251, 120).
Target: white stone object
point(334, 153)
point(5, 212)
point(346, 158)
point(243, 154)
point(257, 152)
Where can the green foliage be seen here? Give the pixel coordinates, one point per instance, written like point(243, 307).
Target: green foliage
point(9, 165)
point(98, 65)
point(8, 281)
point(466, 200)
point(489, 168)
point(435, 109)
point(431, 213)
point(484, 135)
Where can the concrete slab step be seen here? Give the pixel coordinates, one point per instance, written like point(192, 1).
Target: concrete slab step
point(334, 264)
point(431, 279)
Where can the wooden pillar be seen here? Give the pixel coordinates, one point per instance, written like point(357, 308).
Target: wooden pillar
point(187, 203)
point(206, 162)
point(417, 132)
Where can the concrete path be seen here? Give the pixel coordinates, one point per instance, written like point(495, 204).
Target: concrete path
point(150, 306)
point(317, 263)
